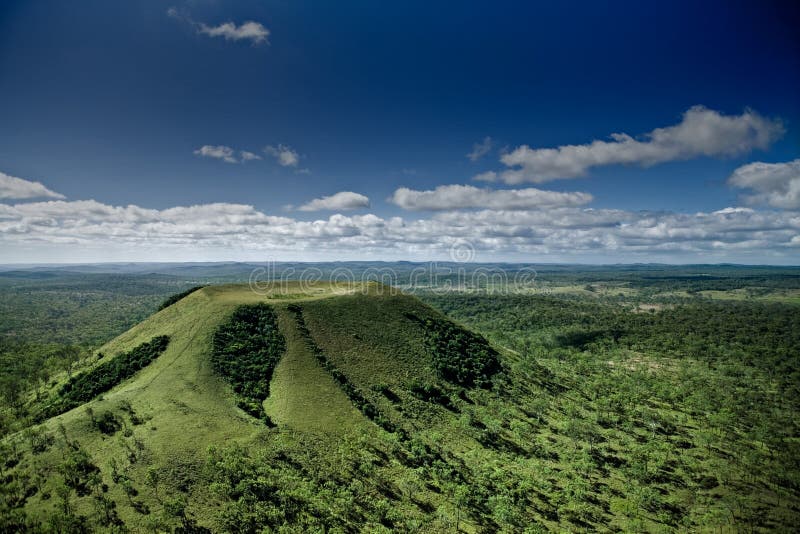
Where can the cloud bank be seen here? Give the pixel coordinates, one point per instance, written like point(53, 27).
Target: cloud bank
point(701, 132)
point(773, 184)
point(453, 197)
point(344, 200)
point(15, 188)
point(563, 233)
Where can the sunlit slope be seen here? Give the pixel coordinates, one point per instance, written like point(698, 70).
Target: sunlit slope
point(375, 343)
point(181, 405)
point(303, 395)
point(367, 333)
point(179, 390)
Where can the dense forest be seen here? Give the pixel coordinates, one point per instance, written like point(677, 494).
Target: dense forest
point(459, 355)
point(246, 349)
point(78, 309)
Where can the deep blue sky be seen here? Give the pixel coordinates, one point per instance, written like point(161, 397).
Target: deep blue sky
point(108, 100)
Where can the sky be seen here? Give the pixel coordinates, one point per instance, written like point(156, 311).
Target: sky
point(540, 132)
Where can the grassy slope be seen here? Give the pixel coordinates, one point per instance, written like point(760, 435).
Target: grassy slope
point(370, 340)
point(187, 408)
point(302, 395)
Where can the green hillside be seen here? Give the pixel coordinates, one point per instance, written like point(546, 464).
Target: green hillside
point(380, 414)
point(160, 423)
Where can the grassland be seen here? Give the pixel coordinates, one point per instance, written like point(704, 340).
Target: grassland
point(303, 396)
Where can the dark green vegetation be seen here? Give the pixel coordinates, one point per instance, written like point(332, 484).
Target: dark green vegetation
point(458, 355)
point(617, 404)
point(696, 408)
point(25, 371)
point(246, 350)
point(78, 309)
point(50, 322)
point(87, 385)
point(178, 296)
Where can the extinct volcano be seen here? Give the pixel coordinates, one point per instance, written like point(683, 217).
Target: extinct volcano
point(314, 407)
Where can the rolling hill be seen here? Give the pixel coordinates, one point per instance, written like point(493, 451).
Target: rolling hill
point(356, 367)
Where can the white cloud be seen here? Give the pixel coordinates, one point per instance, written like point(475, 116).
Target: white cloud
point(226, 230)
point(773, 184)
point(343, 200)
point(286, 156)
point(452, 197)
point(225, 153)
point(255, 32)
point(701, 132)
point(480, 149)
point(18, 188)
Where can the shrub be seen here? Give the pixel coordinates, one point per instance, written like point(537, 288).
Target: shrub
point(432, 393)
point(107, 423)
